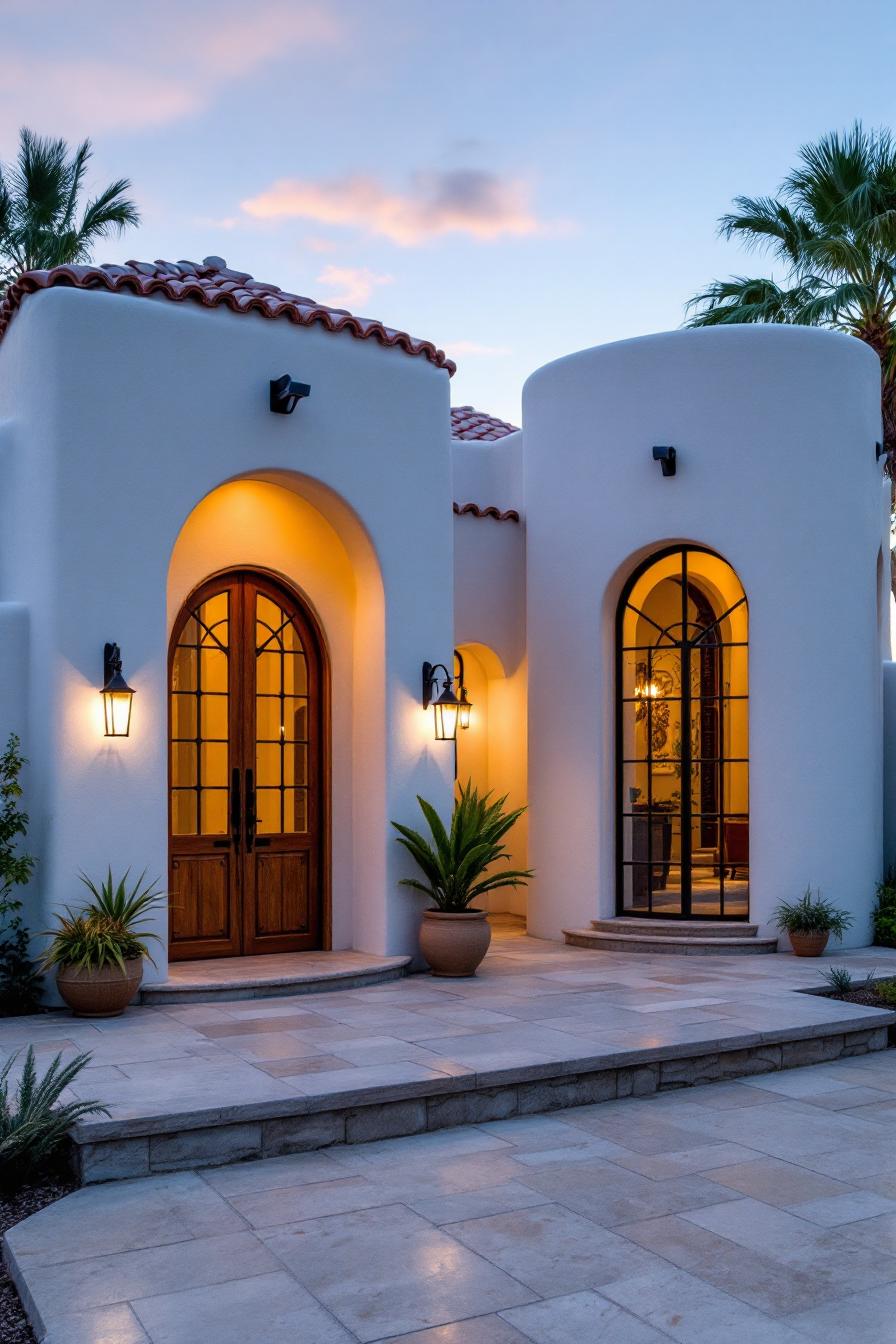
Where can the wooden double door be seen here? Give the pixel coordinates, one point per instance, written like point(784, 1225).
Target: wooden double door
point(247, 771)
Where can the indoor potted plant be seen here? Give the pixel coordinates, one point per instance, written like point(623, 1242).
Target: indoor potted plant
point(809, 923)
point(98, 951)
point(457, 870)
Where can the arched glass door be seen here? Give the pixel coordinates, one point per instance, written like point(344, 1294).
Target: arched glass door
point(682, 807)
point(246, 774)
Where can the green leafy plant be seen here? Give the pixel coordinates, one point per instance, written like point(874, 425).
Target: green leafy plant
point(812, 914)
point(20, 980)
point(838, 979)
point(33, 1123)
point(886, 990)
point(39, 199)
point(109, 930)
point(884, 914)
point(456, 862)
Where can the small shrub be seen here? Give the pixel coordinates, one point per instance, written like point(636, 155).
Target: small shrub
point(32, 1122)
point(20, 979)
point(886, 990)
point(812, 914)
point(839, 979)
point(884, 915)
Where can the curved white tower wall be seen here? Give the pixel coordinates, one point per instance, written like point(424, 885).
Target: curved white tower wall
point(775, 431)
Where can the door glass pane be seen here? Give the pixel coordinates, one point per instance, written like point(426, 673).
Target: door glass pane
point(281, 721)
point(200, 697)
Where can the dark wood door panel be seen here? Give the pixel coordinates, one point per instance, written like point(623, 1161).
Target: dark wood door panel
point(202, 922)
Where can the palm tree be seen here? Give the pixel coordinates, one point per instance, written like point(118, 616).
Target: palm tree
point(832, 230)
point(39, 224)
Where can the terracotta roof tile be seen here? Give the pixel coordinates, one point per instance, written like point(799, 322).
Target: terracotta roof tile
point(213, 284)
point(489, 511)
point(468, 423)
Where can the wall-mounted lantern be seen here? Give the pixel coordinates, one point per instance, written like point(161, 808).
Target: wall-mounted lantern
point(463, 713)
point(446, 707)
point(117, 695)
point(286, 395)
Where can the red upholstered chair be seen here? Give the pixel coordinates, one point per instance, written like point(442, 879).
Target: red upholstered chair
point(737, 846)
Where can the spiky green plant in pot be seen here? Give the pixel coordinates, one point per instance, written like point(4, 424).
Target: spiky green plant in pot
point(459, 866)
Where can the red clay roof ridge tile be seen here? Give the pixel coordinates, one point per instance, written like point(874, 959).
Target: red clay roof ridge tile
point(488, 511)
point(214, 284)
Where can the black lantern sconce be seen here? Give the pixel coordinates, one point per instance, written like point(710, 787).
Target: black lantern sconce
point(286, 395)
point(463, 713)
point(666, 458)
point(118, 696)
point(446, 707)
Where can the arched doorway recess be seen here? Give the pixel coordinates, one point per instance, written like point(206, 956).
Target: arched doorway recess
point(682, 754)
point(248, 726)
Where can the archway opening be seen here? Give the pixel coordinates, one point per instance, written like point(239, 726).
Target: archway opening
point(682, 739)
point(491, 753)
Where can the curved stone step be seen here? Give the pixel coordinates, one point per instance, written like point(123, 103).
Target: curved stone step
point(675, 928)
point(683, 947)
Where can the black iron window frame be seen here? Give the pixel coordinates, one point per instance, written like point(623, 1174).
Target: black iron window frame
point(686, 814)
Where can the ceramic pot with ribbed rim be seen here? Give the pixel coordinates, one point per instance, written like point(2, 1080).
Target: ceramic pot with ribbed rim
point(454, 942)
point(808, 944)
point(100, 993)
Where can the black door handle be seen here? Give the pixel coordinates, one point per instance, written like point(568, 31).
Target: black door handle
point(251, 819)
point(235, 808)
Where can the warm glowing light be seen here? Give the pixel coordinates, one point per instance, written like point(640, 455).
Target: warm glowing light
point(118, 696)
point(446, 710)
point(463, 713)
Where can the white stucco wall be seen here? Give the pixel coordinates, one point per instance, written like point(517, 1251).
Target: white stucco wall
point(123, 414)
point(775, 429)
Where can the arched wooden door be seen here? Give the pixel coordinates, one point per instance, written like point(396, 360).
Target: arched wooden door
point(247, 772)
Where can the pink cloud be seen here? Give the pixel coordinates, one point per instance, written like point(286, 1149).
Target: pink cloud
point(479, 204)
point(145, 73)
point(354, 285)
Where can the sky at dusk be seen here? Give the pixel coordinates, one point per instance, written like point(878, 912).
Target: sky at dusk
point(511, 179)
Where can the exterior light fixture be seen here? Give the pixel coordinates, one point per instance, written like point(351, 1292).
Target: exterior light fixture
point(117, 695)
point(666, 458)
point(446, 707)
point(286, 395)
point(463, 713)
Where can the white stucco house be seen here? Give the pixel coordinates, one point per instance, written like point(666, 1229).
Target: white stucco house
point(668, 593)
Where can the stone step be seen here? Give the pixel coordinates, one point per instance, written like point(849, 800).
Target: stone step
point(676, 928)
point(231, 979)
point(682, 947)
point(108, 1149)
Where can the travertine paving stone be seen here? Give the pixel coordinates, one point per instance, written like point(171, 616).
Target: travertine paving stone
point(543, 1027)
point(637, 1220)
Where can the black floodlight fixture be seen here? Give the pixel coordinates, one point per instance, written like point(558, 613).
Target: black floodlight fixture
point(666, 458)
point(286, 395)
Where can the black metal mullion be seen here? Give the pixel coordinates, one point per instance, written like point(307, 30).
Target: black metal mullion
point(685, 737)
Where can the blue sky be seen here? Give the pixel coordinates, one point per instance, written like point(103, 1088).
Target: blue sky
point(512, 179)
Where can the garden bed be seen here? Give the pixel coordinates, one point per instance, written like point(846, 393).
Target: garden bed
point(14, 1207)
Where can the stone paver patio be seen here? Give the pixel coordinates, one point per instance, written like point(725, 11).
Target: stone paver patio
point(542, 1025)
point(755, 1212)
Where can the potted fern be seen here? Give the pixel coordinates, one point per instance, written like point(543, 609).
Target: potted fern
point(809, 923)
point(458, 869)
point(98, 951)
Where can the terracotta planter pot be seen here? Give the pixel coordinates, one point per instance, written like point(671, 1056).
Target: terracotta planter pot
point(808, 944)
point(454, 944)
point(103, 993)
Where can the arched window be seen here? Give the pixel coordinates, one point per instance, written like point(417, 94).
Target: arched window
point(682, 743)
